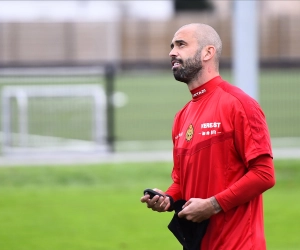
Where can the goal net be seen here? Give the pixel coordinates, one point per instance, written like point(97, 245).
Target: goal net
point(53, 111)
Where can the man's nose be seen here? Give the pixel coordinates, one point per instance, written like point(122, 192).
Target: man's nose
point(173, 52)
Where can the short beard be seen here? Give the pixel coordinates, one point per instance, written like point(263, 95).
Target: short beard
point(189, 70)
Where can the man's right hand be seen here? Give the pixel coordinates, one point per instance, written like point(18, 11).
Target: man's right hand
point(157, 203)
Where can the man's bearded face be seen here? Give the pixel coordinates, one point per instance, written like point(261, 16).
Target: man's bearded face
point(188, 70)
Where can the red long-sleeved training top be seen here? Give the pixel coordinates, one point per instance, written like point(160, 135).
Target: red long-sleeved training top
point(222, 148)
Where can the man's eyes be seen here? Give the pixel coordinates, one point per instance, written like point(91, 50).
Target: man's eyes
point(178, 44)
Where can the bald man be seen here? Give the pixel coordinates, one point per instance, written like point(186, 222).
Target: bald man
point(222, 153)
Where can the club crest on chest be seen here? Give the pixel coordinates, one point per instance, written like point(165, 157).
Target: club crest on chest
point(189, 133)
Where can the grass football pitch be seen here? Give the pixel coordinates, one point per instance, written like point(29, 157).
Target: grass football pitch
point(97, 207)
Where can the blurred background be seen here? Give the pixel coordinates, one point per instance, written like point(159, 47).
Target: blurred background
point(93, 78)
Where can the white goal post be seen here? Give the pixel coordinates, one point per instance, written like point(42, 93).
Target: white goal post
point(20, 141)
point(57, 109)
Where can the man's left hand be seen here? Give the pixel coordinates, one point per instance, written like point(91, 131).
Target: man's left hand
point(197, 210)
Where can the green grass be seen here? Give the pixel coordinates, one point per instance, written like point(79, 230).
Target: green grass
point(97, 207)
point(85, 207)
point(282, 206)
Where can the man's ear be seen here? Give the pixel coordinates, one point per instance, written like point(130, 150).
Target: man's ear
point(209, 52)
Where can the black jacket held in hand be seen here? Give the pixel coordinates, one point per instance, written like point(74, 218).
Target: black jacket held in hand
point(188, 233)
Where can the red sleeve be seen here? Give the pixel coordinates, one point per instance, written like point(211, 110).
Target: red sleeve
point(259, 178)
point(252, 137)
point(174, 189)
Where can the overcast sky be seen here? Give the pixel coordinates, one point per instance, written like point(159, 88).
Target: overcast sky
point(84, 10)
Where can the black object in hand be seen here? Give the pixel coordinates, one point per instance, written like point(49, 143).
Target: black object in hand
point(151, 192)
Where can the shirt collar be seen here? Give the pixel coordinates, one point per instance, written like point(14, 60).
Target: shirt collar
point(206, 88)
